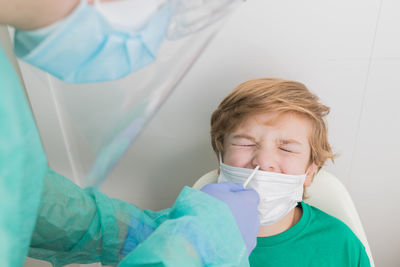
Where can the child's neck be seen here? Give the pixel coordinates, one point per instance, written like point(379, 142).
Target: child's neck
point(284, 224)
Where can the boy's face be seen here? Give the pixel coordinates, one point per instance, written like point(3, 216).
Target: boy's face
point(276, 142)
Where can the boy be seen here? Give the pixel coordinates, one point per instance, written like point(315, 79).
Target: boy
point(275, 130)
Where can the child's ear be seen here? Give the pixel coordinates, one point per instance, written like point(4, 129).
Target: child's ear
point(310, 174)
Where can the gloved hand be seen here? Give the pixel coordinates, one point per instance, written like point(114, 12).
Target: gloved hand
point(243, 205)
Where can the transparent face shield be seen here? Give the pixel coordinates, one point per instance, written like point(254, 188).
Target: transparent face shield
point(99, 121)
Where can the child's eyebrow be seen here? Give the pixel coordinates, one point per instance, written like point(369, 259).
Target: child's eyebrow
point(245, 136)
point(289, 141)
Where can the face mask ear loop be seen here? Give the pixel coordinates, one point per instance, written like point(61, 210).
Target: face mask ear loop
point(308, 169)
point(220, 157)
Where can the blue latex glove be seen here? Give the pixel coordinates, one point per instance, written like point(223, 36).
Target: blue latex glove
point(243, 205)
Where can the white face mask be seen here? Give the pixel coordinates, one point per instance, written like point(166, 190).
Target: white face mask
point(279, 193)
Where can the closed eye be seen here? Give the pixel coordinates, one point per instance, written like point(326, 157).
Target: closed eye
point(243, 140)
point(245, 145)
point(285, 149)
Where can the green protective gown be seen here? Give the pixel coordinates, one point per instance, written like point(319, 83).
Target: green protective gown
point(75, 225)
point(22, 167)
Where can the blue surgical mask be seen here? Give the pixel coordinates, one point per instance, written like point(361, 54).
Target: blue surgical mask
point(86, 47)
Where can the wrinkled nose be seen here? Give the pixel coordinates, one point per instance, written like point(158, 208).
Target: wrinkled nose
point(266, 159)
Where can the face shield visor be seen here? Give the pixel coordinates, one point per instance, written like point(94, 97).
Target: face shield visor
point(101, 117)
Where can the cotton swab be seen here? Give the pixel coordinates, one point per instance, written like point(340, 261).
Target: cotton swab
point(250, 177)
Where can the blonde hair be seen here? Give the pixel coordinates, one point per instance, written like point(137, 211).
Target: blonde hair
point(272, 95)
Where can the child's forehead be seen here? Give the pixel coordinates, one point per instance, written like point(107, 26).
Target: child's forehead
point(277, 119)
point(284, 126)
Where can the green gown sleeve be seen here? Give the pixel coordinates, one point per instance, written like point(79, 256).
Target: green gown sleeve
point(83, 226)
point(22, 167)
point(199, 231)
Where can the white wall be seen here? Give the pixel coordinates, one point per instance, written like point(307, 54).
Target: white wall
point(348, 52)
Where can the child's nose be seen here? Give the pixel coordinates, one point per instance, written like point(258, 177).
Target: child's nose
point(267, 160)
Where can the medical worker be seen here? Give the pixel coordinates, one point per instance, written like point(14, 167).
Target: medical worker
point(45, 216)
